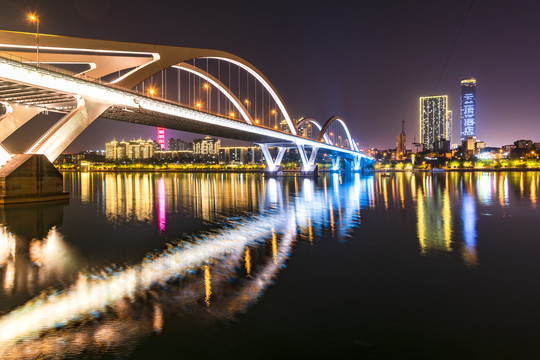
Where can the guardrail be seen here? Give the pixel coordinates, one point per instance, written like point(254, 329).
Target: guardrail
point(84, 77)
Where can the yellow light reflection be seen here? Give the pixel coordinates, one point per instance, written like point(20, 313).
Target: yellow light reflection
point(207, 285)
point(274, 247)
point(158, 318)
point(332, 225)
point(7, 245)
point(521, 184)
point(247, 261)
point(51, 252)
point(401, 192)
point(434, 222)
point(385, 194)
point(502, 181)
point(9, 277)
point(420, 224)
point(413, 187)
point(447, 219)
point(325, 186)
point(310, 232)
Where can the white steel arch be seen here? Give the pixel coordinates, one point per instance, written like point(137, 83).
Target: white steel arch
point(316, 123)
point(266, 85)
point(352, 144)
point(220, 86)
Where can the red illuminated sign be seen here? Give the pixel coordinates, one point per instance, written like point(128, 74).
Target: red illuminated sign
point(161, 137)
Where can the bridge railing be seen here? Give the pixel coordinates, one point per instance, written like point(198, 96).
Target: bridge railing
point(65, 72)
point(83, 76)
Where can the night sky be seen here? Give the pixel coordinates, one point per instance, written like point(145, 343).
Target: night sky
point(368, 63)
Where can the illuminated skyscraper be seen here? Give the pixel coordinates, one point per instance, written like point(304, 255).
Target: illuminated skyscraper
point(434, 121)
point(400, 145)
point(468, 108)
point(161, 137)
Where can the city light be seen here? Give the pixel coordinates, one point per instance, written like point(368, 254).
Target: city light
point(32, 17)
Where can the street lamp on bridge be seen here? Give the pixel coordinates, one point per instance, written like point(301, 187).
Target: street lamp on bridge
point(34, 18)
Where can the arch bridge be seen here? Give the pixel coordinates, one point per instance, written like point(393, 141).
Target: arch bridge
point(190, 89)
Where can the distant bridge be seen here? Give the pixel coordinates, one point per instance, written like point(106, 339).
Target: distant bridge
point(149, 84)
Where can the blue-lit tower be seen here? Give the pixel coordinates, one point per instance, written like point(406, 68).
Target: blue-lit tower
point(468, 108)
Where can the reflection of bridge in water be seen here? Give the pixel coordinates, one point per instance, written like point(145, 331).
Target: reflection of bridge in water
point(219, 275)
point(121, 81)
point(198, 272)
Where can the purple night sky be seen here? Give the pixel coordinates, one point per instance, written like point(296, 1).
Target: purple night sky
point(367, 63)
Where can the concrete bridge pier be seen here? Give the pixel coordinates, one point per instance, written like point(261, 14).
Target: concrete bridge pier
point(309, 166)
point(273, 167)
point(28, 178)
point(31, 177)
point(358, 164)
point(336, 163)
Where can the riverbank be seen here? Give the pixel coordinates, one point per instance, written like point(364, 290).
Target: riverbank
point(442, 170)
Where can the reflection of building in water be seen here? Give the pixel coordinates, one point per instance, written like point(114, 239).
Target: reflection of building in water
point(128, 197)
point(434, 217)
point(468, 217)
point(133, 196)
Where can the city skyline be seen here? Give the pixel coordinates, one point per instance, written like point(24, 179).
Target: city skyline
point(382, 57)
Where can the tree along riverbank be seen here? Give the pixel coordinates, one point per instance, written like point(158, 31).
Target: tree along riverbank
point(110, 167)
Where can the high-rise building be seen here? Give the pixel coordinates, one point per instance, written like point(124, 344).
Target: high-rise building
point(240, 155)
point(207, 148)
point(468, 108)
point(179, 145)
point(449, 117)
point(433, 121)
point(400, 146)
point(161, 137)
point(133, 150)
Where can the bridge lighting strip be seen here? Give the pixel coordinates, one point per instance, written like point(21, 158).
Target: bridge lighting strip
point(27, 74)
point(155, 56)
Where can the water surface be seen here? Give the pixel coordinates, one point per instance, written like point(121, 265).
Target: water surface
point(150, 265)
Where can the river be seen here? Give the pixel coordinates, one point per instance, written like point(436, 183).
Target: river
point(171, 266)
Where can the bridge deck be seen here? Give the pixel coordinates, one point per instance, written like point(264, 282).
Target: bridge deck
point(52, 90)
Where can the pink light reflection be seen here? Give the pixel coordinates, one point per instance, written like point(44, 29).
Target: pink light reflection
point(161, 205)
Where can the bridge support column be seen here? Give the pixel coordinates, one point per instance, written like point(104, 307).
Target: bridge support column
point(336, 160)
point(309, 167)
point(30, 178)
point(15, 116)
point(358, 163)
point(61, 134)
point(5, 156)
point(273, 167)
